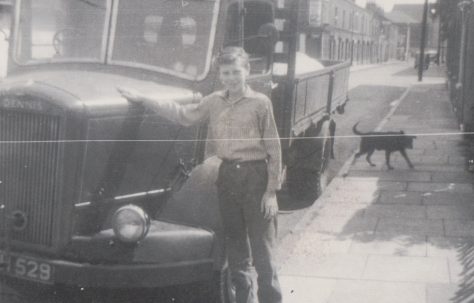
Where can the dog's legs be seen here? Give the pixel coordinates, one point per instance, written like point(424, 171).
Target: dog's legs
point(387, 159)
point(356, 156)
point(404, 154)
point(369, 154)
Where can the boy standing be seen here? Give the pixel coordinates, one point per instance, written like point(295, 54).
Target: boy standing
point(246, 140)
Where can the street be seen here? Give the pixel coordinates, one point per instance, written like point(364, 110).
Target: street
point(373, 89)
point(401, 235)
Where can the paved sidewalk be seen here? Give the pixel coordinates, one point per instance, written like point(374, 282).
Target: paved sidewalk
point(400, 236)
point(356, 67)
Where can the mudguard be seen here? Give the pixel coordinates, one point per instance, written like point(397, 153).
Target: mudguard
point(196, 203)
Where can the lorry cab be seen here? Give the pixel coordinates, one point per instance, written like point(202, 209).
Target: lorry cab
point(98, 192)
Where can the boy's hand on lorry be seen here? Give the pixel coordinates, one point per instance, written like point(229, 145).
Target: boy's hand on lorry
point(269, 205)
point(130, 94)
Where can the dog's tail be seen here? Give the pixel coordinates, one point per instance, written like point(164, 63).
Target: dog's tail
point(355, 131)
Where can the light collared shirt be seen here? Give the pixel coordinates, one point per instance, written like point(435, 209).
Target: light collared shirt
point(242, 130)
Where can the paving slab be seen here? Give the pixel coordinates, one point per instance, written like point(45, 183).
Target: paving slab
point(428, 159)
point(379, 158)
point(441, 293)
point(379, 244)
point(457, 270)
point(361, 164)
point(396, 211)
point(337, 210)
point(460, 176)
point(298, 289)
point(347, 266)
point(435, 198)
point(456, 160)
point(456, 150)
point(410, 227)
point(322, 242)
point(413, 151)
point(400, 197)
point(447, 246)
point(456, 211)
point(449, 147)
point(407, 269)
point(372, 184)
point(437, 168)
point(344, 226)
point(342, 196)
point(440, 187)
point(377, 292)
point(459, 228)
point(394, 175)
point(426, 145)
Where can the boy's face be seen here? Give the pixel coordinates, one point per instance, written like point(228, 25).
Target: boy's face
point(233, 76)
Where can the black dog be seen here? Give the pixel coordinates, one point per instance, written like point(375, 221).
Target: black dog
point(388, 141)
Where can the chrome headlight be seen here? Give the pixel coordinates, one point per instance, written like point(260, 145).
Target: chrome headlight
point(130, 223)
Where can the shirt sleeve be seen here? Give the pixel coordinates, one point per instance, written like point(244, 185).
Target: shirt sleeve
point(184, 114)
point(272, 145)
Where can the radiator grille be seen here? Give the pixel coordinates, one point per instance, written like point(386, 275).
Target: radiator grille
point(29, 165)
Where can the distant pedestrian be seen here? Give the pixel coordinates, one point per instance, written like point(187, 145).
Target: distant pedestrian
point(246, 139)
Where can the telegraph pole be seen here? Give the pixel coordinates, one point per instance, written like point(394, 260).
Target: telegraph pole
point(464, 6)
point(421, 61)
point(407, 42)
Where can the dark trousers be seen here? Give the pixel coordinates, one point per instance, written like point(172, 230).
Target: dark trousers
point(250, 238)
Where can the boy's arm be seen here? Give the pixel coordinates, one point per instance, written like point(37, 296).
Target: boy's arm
point(273, 147)
point(188, 114)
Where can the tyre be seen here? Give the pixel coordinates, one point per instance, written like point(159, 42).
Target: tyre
point(308, 183)
point(219, 290)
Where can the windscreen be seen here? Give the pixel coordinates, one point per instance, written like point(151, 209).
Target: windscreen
point(62, 30)
point(172, 36)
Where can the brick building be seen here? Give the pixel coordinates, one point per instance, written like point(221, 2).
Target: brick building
point(342, 30)
point(409, 19)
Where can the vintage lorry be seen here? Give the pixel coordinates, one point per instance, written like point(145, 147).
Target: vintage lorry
point(98, 192)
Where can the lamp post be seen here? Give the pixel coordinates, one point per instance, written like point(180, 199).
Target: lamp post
point(352, 36)
point(356, 33)
point(435, 21)
point(387, 49)
point(464, 7)
point(421, 61)
point(407, 43)
point(438, 51)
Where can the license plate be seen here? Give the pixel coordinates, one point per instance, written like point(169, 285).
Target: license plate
point(28, 268)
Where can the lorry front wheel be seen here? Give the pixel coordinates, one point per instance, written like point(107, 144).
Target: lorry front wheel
point(306, 184)
point(219, 290)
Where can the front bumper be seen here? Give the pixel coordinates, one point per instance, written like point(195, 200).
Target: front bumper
point(111, 275)
point(132, 276)
point(171, 254)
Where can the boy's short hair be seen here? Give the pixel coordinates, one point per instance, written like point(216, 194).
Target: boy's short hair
point(233, 54)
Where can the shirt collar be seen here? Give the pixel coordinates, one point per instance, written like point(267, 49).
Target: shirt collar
point(248, 93)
